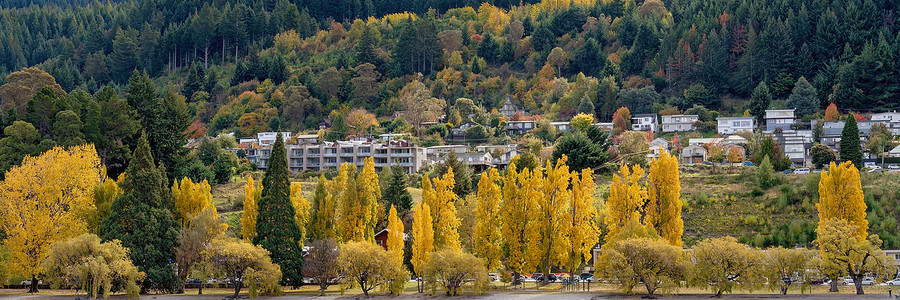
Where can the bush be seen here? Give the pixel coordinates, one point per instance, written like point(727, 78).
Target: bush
point(453, 269)
point(766, 174)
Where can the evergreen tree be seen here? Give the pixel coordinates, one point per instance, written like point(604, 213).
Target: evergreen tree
point(759, 102)
point(462, 174)
point(365, 47)
point(395, 193)
point(276, 229)
point(165, 120)
point(488, 48)
point(803, 98)
point(142, 219)
point(849, 147)
point(586, 106)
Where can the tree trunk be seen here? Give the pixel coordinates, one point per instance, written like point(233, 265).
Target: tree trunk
point(206, 57)
point(859, 287)
point(34, 284)
point(237, 287)
point(200, 292)
point(834, 286)
point(223, 52)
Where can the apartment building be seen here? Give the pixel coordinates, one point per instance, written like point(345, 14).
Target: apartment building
point(679, 123)
point(731, 125)
point(644, 122)
point(318, 157)
point(437, 153)
point(779, 119)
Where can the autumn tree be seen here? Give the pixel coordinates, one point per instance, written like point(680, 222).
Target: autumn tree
point(359, 207)
point(195, 238)
point(191, 199)
point(843, 253)
point(453, 269)
point(419, 106)
point(557, 58)
point(441, 200)
point(276, 227)
point(581, 232)
point(44, 200)
point(301, 210)
point(582, 121)
point(22, 85)
point(633, 147)
point(517, 212)
point(104, 194)
point(627, 196)
point(423, 238)
point(724, 265)
point(321, 264)
point(782, 263)
point(96, 267)
point(831, 113)
point(734, 154)
point(663, 211)
point(369, 265)
point(235, 260)
point(488, 237)
point(551, 216)
point(322, 217)
point(360, 121)
point(395, 233)
point(841, 197)
point(621, 120)
point(142, 218)
point(649, 261)
point(252, 193)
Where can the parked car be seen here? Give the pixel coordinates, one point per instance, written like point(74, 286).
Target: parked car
point(748, 163)
point(535, 276)
point(819, 281)
point(869, 165)
point(28, 282)
point(707, 163)
point(587, 277)
point(801, 171)
point(192, 280)
point(494, 276)
point(212, 281)
point(896, 281)
point(865, 281)
point(817, 171)
point(876, 169)
point(788, 171)
point(893, 167)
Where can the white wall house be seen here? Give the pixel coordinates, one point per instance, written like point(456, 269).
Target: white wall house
point(731, 125)
point(679, 123)
point(779, 119)
point(644, 122)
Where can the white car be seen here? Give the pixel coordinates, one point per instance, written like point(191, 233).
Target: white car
point(896, 281)
point(868, 165)
point(875, 169)
point(28, 282)
point(865, 281)
point(893, 167)
point(801, 171)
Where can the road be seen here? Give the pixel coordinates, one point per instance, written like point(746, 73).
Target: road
point(495, 296)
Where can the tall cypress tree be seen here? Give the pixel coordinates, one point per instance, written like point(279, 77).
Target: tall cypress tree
point(276, 229)
point(142, 219)
point(850, 150)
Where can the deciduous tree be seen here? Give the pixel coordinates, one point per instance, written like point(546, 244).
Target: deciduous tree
point(453, 269)
point(96, 267)
point(252, 193)
point(423, 237)
point(842, 252)
point(652, 262)
point(322, 219)
point(724, 265)
point(237, 260)
point(322, 263)
point(45, 200)
point(581, 232)
point(369, 265)
point(191, 199)
point(488, 237)
point(663, 211)
point(841, 197)
point(395, 234)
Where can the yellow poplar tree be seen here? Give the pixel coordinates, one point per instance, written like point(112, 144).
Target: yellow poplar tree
point(579, 223)
point(252, 193)
point(554, 205)
point(663, 211)
point(488, 238)
point(369, 194)
point(104, 195)
point(339, 188)
point(423, 237)
point(301, 209)
point(533, 192)
point(446, 223)
point(518, 213)
point(45, 200)
point(627, 197)
point(395, 233)
point(190, 199)
point(841, 197)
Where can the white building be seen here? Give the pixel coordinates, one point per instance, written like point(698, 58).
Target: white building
point(266, 139)
point(731, 125)
point(330, 155)
point(679, 123)
point(890, 117)
point(779, 119)
point(644, 122)
point(437, 153)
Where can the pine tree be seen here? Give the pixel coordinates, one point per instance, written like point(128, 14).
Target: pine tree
point(850, 150)
point(396, 194)
point(276, 228)
point(142, 219)
point(488, 237)
point(759, 102)
point(804, 98)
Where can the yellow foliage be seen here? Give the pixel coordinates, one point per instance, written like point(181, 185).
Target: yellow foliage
point(841, 197)
point(191, 199)
point(488, 237)
point(395, 233)
point(234, 260)
point(517, 211)
point(287, 42)
point(626, 196)
point(104, 195)
point(582, 234)
point(370, 193)
point(94, 266)
point(45, 200)
point(252, 193)
point(582, 121)
point(337, 188)
point(443, 213)
point(423, 236)
point(301, 210)
point(663, 211)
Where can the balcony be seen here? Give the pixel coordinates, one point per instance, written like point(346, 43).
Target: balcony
point(312, 164)
point(313, 154)
point(345, 154)
point(331, 164)
point(364, 154)
point(330, 154)
point(380, 154)
point(400, 154)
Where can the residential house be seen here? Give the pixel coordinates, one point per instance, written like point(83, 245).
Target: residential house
point(459, 132)
point(693, 154)
point(382, 236)
point(894, 256)
point(732, 125)
point(502, 161)
point(509, 108)
point(493, 148)
point(679, 123)
point(832, 130)
point(644, 122)
point(437, 153)
point(795, 144)
point(604, 126)
point(657, 147)
point(889, 117)
point(519, 127)
point(478, 161)
point(266, 139)
point(387, 137)
point(561, 126)
point(779, 119)
point(307, 138)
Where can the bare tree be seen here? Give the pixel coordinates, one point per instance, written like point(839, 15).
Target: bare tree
point(322, 263)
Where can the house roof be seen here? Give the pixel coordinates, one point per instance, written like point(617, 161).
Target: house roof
point(896, 150)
